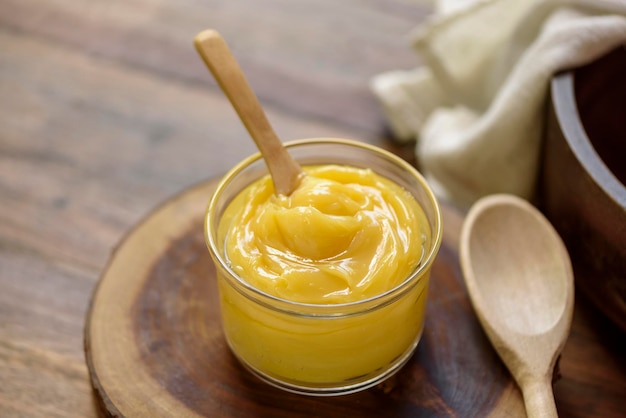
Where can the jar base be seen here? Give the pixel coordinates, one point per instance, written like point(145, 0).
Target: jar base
point(334, 389)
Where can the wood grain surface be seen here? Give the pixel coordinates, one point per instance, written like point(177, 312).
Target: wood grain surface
point(155, 346)
point(106, 111)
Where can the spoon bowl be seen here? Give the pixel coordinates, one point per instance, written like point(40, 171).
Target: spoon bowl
point(520, 281)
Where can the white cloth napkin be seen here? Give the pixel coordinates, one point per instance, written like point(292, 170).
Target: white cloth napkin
point(477, 105)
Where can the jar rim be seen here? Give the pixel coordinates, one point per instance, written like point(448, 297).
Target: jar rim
point(386, 297)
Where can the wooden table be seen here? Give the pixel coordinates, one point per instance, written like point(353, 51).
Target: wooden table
point(106, 111)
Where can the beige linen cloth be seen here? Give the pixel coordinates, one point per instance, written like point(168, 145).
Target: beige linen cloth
point(477, 105)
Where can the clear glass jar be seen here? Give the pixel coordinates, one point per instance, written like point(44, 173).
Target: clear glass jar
point(327, 349)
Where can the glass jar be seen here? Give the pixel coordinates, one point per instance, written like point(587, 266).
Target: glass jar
point(324, 349)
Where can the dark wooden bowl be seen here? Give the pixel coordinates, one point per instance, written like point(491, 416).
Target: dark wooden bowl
point(584, 171)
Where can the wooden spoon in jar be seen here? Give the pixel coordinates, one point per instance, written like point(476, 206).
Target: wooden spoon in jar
point(520, 281)
point(285, 171)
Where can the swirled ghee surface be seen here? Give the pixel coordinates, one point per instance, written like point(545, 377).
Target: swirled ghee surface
point(345, 234)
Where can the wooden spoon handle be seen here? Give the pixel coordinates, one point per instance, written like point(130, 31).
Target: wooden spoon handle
point(539, 399)
point(284, 170)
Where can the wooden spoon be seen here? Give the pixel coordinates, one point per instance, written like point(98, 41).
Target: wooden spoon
point(285, 171)
point(520, 281)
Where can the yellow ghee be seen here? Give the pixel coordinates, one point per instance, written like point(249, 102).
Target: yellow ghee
point(344, 237)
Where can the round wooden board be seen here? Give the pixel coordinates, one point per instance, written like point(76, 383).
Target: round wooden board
point(155, 348)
